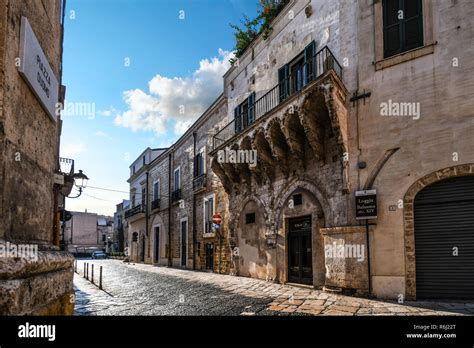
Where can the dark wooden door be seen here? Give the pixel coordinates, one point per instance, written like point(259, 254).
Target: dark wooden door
point(300, 260)
point(184, 242)
point(210, 256)
point(157, 244)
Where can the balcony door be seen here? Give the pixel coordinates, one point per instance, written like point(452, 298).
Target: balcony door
point(297, 75)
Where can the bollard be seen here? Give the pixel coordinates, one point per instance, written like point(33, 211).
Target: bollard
point(92, 274)
point(87, 270)
point(84, 269)
point(75, 266)
point(100, 278)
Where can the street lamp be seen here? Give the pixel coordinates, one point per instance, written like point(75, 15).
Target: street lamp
point(80, 181)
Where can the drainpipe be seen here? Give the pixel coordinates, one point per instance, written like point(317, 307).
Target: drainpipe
point(146, 212)
point(170, 261)
point(194, 206)
point(367, 235)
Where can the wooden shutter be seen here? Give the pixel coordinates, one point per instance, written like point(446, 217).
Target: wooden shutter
point(284, 81)
point(237, 120)
point(251, 112)
point(402, 34)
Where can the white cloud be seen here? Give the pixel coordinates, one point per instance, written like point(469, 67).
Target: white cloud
point(72, 149)
point(108, 112)
point(180, 99)
point(102, 134)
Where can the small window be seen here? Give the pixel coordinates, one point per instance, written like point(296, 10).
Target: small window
point(298, 199)
point(199, 164)
point(402, 26)
point(250, 218)
point(133, 169)
point(156, 190)
point(144, 160)
point(177, 179)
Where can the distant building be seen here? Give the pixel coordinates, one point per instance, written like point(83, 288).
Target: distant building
point(86, 232)
point(121, 227)
point(105, 232)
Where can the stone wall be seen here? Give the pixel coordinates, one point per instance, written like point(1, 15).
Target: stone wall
point(440, 138)
point(29, 150)
point(24, 125)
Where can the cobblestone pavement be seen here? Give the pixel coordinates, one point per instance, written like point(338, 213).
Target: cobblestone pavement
point(137, 289)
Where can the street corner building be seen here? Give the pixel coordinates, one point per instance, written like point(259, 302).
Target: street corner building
point(35, 276)
point(340, 156)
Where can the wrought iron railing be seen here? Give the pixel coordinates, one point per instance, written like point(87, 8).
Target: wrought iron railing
point(176, 195)
point(134, 211)
point(155, 204)
point(199, 182)
point(297, 79)
point(66, 165)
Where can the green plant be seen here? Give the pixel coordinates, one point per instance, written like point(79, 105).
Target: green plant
point(244, 36)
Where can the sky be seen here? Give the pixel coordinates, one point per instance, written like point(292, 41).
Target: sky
point(137, 74)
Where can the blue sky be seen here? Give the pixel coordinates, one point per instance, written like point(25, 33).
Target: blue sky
point(145, 73)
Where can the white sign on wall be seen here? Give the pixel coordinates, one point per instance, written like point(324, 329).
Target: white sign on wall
point(35, 69)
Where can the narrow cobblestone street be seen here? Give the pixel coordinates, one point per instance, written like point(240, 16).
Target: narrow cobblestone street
point(137, 289)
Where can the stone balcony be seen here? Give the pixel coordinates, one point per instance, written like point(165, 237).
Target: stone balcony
point(135, 213)
point(288, 118)
point(199, 183)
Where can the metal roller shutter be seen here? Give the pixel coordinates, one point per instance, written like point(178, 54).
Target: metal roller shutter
point(444, 219)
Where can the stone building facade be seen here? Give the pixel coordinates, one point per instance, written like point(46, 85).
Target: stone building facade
point(340, 97)
point(426, 153)
point(121, 227)
point(88, 232)
point(137, 215)
point(29, 157)
point(183, 189)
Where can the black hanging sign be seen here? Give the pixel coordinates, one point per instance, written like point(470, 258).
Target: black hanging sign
point(366, 204)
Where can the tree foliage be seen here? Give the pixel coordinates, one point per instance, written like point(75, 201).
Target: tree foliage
point(251, 28)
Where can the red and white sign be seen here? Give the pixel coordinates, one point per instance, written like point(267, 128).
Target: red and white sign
point(216, 219)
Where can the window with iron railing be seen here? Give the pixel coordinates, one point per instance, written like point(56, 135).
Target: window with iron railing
point(155, 204)
point(176, 195)
point(199, 164)
point(144, 200)
point(244, 114)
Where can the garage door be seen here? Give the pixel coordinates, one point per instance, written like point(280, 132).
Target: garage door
point(444, 227)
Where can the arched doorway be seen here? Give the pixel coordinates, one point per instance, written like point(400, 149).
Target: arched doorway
point(134, 247)
point(300, 251)
point(444, 239)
